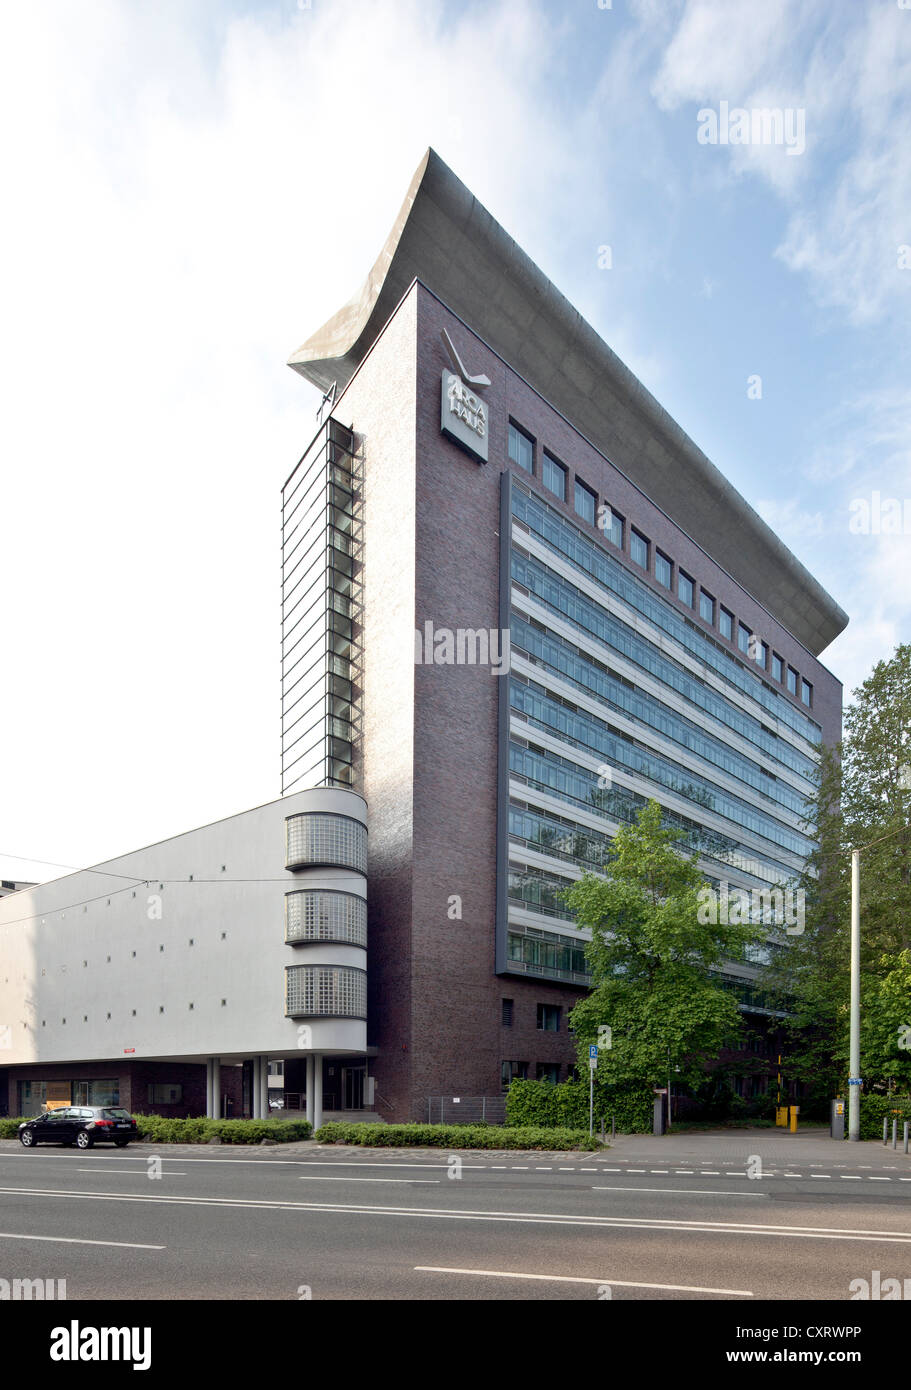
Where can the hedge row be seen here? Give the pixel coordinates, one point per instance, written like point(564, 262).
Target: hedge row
point(874, 1109)
point(158, 1129)
point(566, 1104)
point(455, 1137)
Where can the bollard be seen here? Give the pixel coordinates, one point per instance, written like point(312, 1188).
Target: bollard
point(885, 1129)
point(894, 1133)
point(612, 1127)
point(906, 1136)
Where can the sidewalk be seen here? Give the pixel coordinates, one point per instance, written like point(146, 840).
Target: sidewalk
point(813, 1146)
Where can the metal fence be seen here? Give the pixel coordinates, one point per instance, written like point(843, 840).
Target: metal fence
point(466, 1110)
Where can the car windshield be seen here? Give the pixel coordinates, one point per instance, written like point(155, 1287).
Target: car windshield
point(117, 1114)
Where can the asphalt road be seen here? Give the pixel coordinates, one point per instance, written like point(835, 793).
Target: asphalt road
point(692, 1219)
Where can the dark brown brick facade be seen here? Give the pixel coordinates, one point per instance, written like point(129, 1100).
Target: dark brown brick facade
point(430, 752)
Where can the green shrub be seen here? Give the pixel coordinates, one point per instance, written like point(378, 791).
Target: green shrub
point(196, 1129)
point(566, 1105)
point(461, 1136)
point(874, 1109)
point(161, 1129)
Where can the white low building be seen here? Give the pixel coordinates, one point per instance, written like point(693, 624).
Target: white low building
point(166, 980)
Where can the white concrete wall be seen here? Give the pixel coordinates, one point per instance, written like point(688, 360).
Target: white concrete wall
point(93, 944)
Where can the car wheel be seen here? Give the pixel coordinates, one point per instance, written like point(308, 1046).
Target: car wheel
point(83, 1139)
point(27, 1138)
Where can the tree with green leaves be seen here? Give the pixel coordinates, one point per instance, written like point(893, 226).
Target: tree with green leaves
point(862, 799)
point(651, 958)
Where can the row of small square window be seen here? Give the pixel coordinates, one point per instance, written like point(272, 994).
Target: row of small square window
point(85, 1017)
point(554, 477)
point(191, 941)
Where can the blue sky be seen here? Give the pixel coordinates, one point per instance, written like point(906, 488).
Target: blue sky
point(197, 185)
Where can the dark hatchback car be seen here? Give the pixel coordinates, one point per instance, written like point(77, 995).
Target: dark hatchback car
point(82, 1125)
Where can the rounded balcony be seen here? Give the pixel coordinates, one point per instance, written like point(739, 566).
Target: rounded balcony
point(325, 991)
point(317, 915)
point(325, 839)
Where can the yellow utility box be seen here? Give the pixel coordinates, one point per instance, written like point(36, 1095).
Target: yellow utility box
point(795, 1111)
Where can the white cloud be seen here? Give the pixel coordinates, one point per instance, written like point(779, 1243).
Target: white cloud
point(195, 192)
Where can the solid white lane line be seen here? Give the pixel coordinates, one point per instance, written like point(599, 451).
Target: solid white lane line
point(132, 1172)
point(695, 1191)
point(409, 1182)
point(71, 1240)
point(654, 1224)
point(577, 1279)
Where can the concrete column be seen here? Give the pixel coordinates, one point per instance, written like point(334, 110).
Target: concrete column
point(254, 1090)
point(310, 1087)
point(264, 1088)
point(209, 1087)
point(317, 1091)
point(215, 1112)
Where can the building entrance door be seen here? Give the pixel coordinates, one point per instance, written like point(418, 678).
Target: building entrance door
point(353, 1087)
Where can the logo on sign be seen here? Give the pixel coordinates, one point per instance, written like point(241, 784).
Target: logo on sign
point(463, 415)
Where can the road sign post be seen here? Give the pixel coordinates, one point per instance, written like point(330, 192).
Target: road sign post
point(592, 1065)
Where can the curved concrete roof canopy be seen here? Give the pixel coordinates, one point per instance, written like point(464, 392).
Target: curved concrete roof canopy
point(446, 239)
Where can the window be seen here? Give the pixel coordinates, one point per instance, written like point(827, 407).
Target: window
point(512, 1071)
point(585, 502)
point(706, 607)
point(554, 477)
point(792, 680)
point(725, 623)
point(685, 587)
point(663, 569)
point(763, 657)
point(549, 1071)
point(506, 1015)
point(806, 693)
point(165, 1093)
point(611, 523)
point(521, 449)
point(777, 667)
point(638, 549)
point(549, 1017)
point(743, 637)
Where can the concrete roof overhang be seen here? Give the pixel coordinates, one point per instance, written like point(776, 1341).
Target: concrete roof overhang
point(446, 239)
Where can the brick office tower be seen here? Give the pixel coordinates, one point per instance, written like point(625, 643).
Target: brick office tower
point(486, 463)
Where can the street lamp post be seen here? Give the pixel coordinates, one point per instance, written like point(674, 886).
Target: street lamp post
point(854, 1080)
point(854, 1050)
